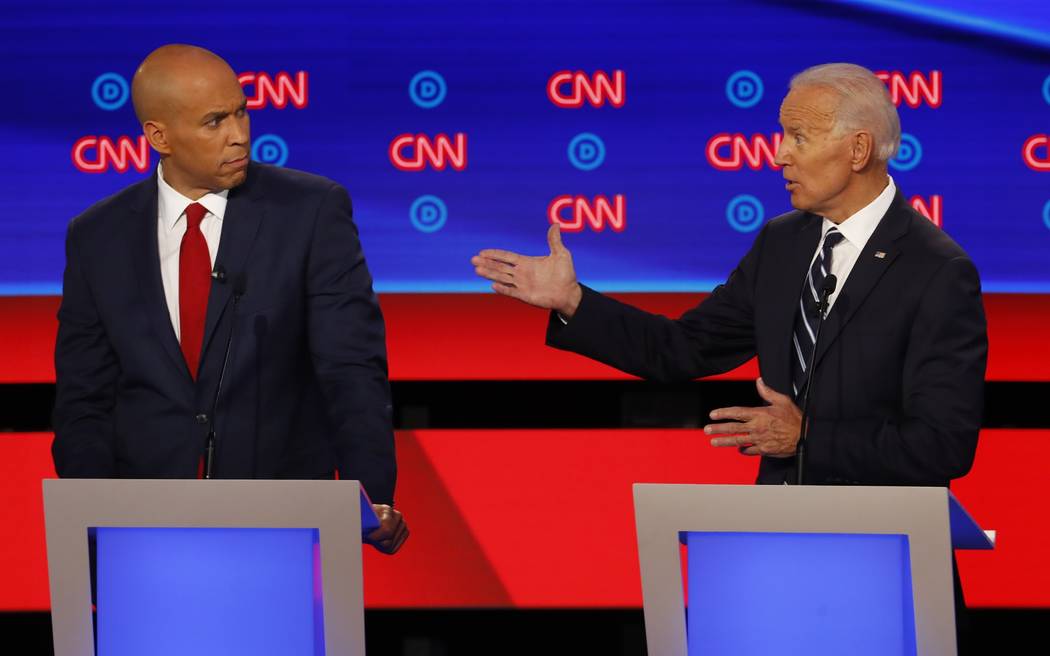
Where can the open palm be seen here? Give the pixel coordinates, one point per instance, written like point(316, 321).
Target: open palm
point(547, 281)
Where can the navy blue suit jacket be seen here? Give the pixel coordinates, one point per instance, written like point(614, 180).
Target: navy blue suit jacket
point(899, 391)
point(306, 390)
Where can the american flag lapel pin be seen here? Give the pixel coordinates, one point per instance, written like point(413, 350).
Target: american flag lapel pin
point(880, 254)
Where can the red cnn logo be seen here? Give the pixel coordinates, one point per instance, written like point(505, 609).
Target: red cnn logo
point(913, 89)
point(410, 152)
point(569, 89)
point(1034, 161)
point(932, 210)
point(597, 213)
point(730, 152)
point(277, 90)
point(98, 154)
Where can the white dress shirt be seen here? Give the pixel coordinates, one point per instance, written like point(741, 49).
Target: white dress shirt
point(856, 230)
point(171, 226)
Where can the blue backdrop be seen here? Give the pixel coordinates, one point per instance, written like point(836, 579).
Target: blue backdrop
point(692, 71)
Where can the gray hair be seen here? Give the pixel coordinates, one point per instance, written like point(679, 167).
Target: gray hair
point(864, 103)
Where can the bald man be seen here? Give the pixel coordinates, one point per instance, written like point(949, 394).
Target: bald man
point(218, 319)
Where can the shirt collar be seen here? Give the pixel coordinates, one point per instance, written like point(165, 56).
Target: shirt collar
point(171, 205)
point(857, 228)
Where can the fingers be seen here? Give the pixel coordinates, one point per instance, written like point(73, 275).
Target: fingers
point(498, 255)
point(392, 531)
point(728, 428)
point(500, 273)
point(399, 537)
point(554, 238)
point(737, 413)
point(736, 441)
point(505, 289)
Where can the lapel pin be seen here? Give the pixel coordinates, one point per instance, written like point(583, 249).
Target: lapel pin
point(880, 254)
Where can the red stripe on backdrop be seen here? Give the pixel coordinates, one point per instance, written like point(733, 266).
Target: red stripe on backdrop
point(544, 519)
point(485, 337)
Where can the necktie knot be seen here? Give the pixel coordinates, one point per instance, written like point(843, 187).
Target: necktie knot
point(832, 239)
point(194, 215)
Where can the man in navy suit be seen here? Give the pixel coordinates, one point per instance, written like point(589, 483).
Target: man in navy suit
point(898, 396)
point(215, 253)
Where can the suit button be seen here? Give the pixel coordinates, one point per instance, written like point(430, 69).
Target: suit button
point(202, 418)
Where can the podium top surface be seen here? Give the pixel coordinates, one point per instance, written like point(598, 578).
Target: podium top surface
point(743, 507)
point(190, 502)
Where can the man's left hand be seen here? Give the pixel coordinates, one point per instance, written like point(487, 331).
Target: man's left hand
point(772, 430)
point(392, 531)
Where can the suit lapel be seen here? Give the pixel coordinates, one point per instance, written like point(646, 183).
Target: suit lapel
point(876, 257)
point(239, 227)
point(147, 264)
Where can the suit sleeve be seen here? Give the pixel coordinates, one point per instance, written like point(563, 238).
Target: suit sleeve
point(714, 337)
point(86, 371)
point(348, 346)
point(935, 438)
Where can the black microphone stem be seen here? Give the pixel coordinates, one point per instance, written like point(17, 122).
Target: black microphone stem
point(822, 310)
point(209, 445)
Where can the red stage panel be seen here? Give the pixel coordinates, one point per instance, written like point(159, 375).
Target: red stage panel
point(25, 460)
point(544, 519)
point(485, 337)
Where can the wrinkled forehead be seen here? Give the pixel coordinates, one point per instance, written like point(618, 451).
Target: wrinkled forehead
point(811, 107)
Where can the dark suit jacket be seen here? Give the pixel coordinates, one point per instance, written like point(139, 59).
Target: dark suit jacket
point(306, 390)
point(898, 396)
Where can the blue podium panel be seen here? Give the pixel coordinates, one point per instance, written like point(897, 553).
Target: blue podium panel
point(799, 593)
point(206, 591)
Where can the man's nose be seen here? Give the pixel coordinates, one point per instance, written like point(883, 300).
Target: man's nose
point(239, 132)
point(780, 158)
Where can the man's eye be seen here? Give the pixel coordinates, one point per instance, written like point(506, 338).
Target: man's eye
point(799, 139)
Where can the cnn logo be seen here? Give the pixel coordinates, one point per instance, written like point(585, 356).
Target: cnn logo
point(262, 89)
point(570, 89)
point(415, 152)
point(93, 154)
point(914, 89)
point(574, 213)
point(731, 152)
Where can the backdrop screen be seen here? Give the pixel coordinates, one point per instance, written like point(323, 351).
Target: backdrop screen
point(645, 128)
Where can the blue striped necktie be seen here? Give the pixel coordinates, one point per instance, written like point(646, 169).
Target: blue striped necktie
point(806, 316)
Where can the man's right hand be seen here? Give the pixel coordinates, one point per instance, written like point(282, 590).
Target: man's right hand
point(548, 282)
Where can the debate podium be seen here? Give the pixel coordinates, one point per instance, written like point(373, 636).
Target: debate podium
point(785, 569)
point(206, 566)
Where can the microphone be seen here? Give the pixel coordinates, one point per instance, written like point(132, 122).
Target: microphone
point(219, 274)
point(830, 282)
point(239, 286)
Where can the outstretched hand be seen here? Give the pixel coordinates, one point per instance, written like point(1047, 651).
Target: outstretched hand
point(547, 281)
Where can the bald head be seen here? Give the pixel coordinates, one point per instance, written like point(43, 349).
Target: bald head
point(194, 114)
point(173, 74)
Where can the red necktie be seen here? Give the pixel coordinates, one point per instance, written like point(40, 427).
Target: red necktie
point(194, 284)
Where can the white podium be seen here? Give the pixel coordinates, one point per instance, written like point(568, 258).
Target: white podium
point(206, 566)
point(800, 569)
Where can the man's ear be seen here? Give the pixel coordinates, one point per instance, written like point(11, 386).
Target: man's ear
point(157, 136)
point(862, 149)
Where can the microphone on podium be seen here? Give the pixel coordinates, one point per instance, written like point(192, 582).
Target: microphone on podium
point(239, 286)
point(830, 282)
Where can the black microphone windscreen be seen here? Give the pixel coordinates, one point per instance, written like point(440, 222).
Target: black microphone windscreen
point(830, 283)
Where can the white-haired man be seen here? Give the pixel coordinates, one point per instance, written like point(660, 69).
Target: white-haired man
point(898, 396)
